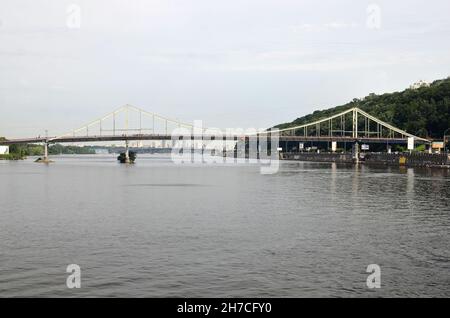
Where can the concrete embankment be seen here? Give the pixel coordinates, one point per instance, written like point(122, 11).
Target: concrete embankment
point(318, 157)
point(405, 159)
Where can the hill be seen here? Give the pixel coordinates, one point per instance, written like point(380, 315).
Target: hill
point(424, 112)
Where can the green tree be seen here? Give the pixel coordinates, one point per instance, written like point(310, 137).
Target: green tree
point(424, 112)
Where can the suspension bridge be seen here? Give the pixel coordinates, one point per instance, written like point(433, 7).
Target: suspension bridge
point(130, 123)
point(352, 125)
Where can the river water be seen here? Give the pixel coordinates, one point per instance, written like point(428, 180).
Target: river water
point(157, 229)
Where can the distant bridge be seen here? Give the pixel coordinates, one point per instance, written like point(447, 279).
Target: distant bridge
point(129, 123)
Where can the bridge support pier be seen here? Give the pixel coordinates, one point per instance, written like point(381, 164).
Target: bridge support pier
point(127, 152)
point(46, 151)
point(356, 153)
point(45, 159)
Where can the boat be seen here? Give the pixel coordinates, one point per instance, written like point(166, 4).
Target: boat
point(123, 159)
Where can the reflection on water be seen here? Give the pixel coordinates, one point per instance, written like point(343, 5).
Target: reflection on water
point(158, 229)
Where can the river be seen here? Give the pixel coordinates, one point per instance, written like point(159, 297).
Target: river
point(156, 229)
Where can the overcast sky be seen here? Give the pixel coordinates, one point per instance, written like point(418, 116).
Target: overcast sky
point(234, 63)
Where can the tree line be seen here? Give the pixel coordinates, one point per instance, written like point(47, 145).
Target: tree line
point(20, 151)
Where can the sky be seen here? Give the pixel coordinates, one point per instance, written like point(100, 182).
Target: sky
point(231, 64)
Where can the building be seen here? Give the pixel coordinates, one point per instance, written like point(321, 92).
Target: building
point(101, 151)
point(4, 150)
point(419, 84)
point(138, 144)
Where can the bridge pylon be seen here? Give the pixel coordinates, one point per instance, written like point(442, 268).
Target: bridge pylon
point(127, 152)
point(45, 158)
point(46, 151)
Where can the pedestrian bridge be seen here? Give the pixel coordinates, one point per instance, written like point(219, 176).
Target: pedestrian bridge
point(130, 123)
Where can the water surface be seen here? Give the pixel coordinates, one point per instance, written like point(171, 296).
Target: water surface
point(157, 229)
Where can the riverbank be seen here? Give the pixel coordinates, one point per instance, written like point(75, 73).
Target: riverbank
point(401, 159)
point(11, 156)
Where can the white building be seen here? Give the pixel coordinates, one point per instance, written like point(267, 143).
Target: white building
point(419, 84)
point(4, 150)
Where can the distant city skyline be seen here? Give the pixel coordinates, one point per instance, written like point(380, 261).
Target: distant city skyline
point(229, 64)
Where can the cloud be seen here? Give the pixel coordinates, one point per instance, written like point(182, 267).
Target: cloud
point(331, 64)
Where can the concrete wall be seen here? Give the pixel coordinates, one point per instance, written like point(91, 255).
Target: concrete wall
point(318, 157)
point(412, 160)
point(4, 150)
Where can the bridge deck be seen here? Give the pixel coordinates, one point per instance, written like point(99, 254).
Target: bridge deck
point(78, 139)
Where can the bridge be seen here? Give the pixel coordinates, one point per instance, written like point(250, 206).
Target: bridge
point(350, 125)
point(130, 123)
